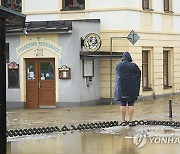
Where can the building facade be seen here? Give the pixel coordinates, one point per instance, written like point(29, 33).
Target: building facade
point(156, 52)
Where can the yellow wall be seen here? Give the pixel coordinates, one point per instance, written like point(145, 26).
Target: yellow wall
point(155, 42)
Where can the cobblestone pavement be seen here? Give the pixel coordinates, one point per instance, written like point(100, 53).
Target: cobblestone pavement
point(146, 110)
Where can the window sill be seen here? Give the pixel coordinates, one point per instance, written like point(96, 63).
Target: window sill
point(167, 87)
point(148, 10)
point(168, 12)
point(13, 87)
point(147, 89)
point(73, 8)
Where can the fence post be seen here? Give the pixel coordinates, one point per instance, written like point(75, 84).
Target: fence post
point(170, 108)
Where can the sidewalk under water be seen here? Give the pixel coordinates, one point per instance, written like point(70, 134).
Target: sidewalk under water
point(115, 140)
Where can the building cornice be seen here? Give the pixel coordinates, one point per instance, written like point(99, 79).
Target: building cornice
point(102, 10)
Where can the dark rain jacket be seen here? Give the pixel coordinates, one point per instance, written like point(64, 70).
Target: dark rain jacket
point(127, 82)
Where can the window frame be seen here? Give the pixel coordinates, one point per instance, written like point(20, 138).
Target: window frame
point(147, 5)
point(74, 6)
point(167, 6)
point(167, 72)
point(12, 5)
point(146, 64)
point(13, 67)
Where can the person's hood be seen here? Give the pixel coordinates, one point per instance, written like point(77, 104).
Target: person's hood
point(126, 56)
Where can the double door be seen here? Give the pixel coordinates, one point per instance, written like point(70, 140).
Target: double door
point(40, 83)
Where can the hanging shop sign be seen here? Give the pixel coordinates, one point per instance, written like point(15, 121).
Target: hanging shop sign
point(38, 43)
point(92, 42)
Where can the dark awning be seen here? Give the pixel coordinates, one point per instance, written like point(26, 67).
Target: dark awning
point(100, 55)
point(42, 27)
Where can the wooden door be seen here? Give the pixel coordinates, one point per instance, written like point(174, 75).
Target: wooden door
point(40, 83)
point(46, 82)
point(32, 83)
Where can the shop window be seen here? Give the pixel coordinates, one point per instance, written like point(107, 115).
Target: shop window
point(15, 5)
point(13, 75)
point(73, 5)
point(147, 5)
point(7, 52)
point(146, 70)
point(166, 69)
point(167, 5)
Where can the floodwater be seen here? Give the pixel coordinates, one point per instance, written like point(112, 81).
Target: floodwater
point(114, 140)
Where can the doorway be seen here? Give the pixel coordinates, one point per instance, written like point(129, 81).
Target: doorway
point(40, 83)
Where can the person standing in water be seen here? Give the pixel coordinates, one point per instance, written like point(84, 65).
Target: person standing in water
point(127, 86)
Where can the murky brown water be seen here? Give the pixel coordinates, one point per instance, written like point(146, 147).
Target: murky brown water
point(87, 143)
point(117, 140)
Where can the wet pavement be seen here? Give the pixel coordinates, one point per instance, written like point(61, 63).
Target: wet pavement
point(145, 110)
point(114, 140)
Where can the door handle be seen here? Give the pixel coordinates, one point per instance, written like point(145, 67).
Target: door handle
point(39, 85)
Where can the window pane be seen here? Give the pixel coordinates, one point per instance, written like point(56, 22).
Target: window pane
point(165, 80)
point(13, 4)
point(145, 4)
point(145, 56)
point(165, 68)
point(145, 82)
point(13, 78)
point(145, 75)
point(165, 56)
point(73, 4)
point(166, 5)
point(30, 70)
point(47, 70)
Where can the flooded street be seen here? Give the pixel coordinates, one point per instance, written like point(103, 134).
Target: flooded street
point(113, 140)
point(87, 143)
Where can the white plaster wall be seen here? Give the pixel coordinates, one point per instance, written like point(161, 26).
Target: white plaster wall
point(40, 5)
point(157, 5)
point(42, 17)
point(176, 6)
point(117, 20)
point(176, 24)
point(157, 22)
point(115, 3)
point(12, 95)
point(75, 90)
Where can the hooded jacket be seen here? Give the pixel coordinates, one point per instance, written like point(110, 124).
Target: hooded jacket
point(127, 82)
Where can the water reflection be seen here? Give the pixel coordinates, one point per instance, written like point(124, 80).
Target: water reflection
point(85, 143)
point(73, 143)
